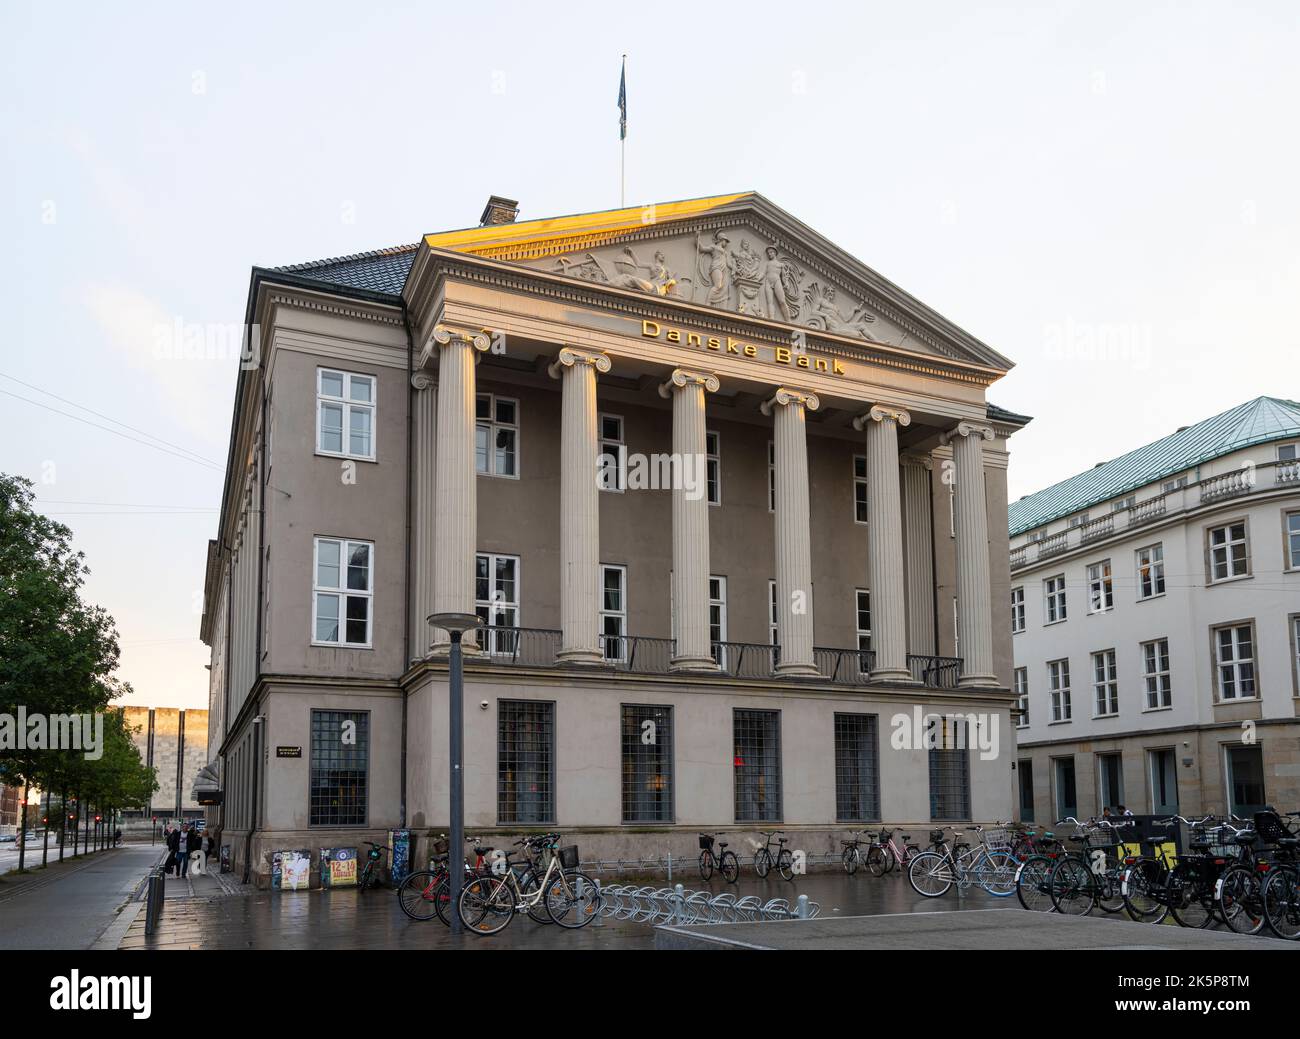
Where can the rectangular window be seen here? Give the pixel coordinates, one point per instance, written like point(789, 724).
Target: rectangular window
point(1058, 685)
point(949, 778)
point(525, 761)
point(496, 432)
point(1123, 503)
point(1078, 520)
point(718, 619)
point(342, 592)
point(1105, 684)
point(1295, 651)
point(340, 768)
point(1054, 597)
point(345, 414)
point(647, 763)
point(1155, 673)
point(613, 611)
point(1110, 781)
point(863, 615)
point(496, 600)
point(1151, 571)
point(1291, 551)
point(757, 765)
point(1101, 594)
point(713, 466)
point(1164, 781)
point(611, 465)
point(1235, 661)
point(859, 489)
point(1026, 770)
point(1287, 452)
point(771, 476)
point(1021, 677)
point(773, 627)
point(1017, 609)
point(1173, 485)
point(1227, 550)
point(857, 768)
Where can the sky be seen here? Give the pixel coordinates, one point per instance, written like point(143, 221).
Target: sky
point(1103, 192)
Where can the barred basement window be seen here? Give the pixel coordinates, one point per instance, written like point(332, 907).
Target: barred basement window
point(340, 766)
point(647, 764)
point(757, 765)
point(525, 761)
point(857, 768)
point(949, 779)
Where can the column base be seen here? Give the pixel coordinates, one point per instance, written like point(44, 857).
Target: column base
point(581, 658)
point(796, 670)
point(979, 682)
point(692, 664)
point(892, 674)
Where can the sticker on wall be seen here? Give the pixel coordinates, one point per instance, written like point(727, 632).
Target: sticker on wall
point(400, 842)
point(338, 867)
point(225, 858)
point(291, 870)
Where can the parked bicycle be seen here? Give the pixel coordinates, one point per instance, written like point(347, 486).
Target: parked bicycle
point(886, 853)
point(725, 862)
point(372, 872)
point(784, 860)
point(1093, 875)
point(1281, 890)
point(1157, 885)
point(852, 854)
point(569, 896)
point(989, 864)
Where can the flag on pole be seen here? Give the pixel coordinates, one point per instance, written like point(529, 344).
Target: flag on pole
point(622, 102)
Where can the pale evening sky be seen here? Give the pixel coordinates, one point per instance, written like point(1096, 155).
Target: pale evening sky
point(1103, 192)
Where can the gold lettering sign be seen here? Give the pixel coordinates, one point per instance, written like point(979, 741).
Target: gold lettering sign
point(786, 355)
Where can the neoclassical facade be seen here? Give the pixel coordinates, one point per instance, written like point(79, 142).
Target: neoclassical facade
point(729, 505)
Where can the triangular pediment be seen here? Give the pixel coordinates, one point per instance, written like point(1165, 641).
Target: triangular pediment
point(736, 253)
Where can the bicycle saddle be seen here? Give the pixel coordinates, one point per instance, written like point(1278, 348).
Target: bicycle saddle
point(479, 850)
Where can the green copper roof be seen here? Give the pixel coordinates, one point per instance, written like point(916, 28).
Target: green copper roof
point(1255, 422)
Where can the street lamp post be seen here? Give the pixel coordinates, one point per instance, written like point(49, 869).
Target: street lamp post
point(456, 624)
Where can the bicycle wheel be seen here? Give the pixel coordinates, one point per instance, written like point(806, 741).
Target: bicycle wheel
point(998, 874)
point(1239, 899)
point(850, 860)
point(572, 899)
point(762, 862)
point(487, 905)
point(706, 865)
point(1071, 888)
point(877, 861)
point(785, 864)
point(419, 893)
point(1031, 884)
point(528, 882)
point(1282, 902)
point(1191, 901)
point(931, 874)
point(729, 867)
point(1141, 887)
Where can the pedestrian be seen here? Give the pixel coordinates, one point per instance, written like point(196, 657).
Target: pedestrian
point(199, 853)
point(1124, 811)
point(184, 846)
point(174, 849)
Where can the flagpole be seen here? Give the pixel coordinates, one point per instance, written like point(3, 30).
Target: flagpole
point(622, 152)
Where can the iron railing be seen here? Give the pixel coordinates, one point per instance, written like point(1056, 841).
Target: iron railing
point(844, 666)
point(935, 672)
point(746, 659)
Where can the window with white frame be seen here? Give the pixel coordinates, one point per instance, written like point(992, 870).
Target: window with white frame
point(1234, 650)
point(1054, 598)
point(718, 619)
point(859, 489)
point(1151, 571)
point(1287, 452)
point(1101, 593)
point(1021, 679)
point(713, 466)
point(863, 621)
point(1227, 550)
point(611, 465)
point(1291, 550)
point(771, 476)
point(1123, 503)
point(1295, 651)
point(1155, 674)
point(345, 414)
point(952, 511)
point(496, 435)
point(1018, 609)
point(613, 611)
point(1058, 686)
point(342, 592)
point(1173, 485)
point(496, 599)
point(773, 626)
point(1105, 684)
point(1078, 520)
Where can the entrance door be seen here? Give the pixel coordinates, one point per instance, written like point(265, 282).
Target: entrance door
point(1067, 800)
point(1164, 782)
point(1026, 771)
point(1246, 780)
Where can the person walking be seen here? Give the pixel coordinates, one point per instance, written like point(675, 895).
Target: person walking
point(174, 849)
point(184, 846)
point(199, 854)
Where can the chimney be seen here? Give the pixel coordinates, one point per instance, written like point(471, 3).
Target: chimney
point(499, 211)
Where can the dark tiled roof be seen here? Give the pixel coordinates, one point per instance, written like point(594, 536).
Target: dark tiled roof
point(380, 270)
point(1255, 422)
point(1009, 417)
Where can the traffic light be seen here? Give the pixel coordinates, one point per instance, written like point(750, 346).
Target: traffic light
point(99, 818)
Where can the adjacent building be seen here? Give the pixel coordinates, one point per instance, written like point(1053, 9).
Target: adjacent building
point(1155, 611)
point(728, 504)
point(174, 743)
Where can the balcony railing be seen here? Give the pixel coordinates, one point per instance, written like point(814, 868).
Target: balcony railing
point(1146, 511)
point(1229, 485)
point(1096, 530)
point(1054, 545)
point(641, 654)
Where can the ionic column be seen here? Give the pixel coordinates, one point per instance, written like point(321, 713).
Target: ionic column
point(425, 413)
point(690, 520)
point(918, 553)
point(974, 622)
point(794, 618)
point(455, 508)
point(579, 505)
point(885, 542)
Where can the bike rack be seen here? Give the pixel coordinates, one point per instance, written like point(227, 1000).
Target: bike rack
point(678, 905)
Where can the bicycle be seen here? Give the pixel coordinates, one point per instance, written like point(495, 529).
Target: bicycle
point(885, 853)
point(932, 873)
point(1153, 888)
point(1092, 876)
point(725, 862)
point(1281, 890)
point(784, 861)
point(851, 856)
point(372, 871)
point(570, 897)
point(426, 893)
point(1033, 874)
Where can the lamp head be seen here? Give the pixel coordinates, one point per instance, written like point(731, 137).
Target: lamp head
point(456, 623)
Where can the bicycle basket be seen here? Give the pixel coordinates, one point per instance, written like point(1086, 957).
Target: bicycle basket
point(706, 842)
point(440, 846)
point(1270, 827)
point(997, 837)
point(569, 857)
point(1102, 837)
point(936, 836)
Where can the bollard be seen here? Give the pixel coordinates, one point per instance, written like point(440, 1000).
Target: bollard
point(679, 906)
point(670, 867)
point(801, 907)
point(155, 891)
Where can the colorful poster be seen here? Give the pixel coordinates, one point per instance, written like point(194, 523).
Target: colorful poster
point(338, 867)
point(291, 870)
point(400, 842)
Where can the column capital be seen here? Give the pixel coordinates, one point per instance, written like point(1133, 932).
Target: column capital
point(922, 461)
point(969, 429)
point(569, 356)
point(880, 413)
point(786, 395)
point(445, 336)
point(422, 380)
point(683, 377)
